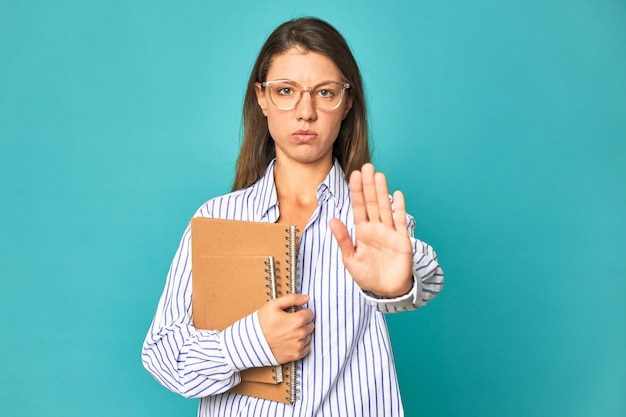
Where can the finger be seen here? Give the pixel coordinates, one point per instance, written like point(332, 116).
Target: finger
point(307, 335)
point(304, 351)
point(356, 194)
point(306, 315)
point(342, 236)
point(290, 300)
point(382, 194)
point(307, 341)
point(369, 192)
point(399, 212)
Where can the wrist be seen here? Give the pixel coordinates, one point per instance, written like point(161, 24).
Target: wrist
point(394, 293)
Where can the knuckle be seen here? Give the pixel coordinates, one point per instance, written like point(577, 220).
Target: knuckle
point(300, 334)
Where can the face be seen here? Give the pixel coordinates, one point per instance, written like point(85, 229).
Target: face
point(303, 135)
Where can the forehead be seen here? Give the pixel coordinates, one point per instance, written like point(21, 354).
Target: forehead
point(304, 67)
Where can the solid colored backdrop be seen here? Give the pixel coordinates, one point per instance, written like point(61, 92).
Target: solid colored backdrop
point(503, 122)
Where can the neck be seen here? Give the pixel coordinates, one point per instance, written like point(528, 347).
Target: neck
point(300, 181)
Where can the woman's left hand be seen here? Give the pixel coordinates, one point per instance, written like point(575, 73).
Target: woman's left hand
point(381, 260)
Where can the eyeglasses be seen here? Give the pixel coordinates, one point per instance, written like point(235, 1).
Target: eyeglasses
point(286, 94)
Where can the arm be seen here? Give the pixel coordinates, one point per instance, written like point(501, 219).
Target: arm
point(192, 362)
point(394, 270)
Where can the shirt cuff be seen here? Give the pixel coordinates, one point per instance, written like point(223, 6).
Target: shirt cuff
point(244, 345)
point(393, 305)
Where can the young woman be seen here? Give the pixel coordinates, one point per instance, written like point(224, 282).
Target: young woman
point(305, 132)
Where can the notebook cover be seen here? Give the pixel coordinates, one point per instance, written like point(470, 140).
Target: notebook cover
point(229, 281)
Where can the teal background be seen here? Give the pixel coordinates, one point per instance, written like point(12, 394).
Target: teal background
point(503, 122)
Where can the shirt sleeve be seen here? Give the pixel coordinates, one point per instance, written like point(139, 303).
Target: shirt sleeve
point(427, 279)
point(192, 362)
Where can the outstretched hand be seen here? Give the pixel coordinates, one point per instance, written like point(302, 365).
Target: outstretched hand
point(380, 261)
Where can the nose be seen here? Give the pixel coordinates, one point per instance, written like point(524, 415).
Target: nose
point(305, 109)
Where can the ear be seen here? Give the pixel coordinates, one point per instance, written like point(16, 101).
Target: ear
point(348, 107)
point(261, 98)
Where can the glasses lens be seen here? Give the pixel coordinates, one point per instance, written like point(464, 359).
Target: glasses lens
point(328, 96)
point(284, 95)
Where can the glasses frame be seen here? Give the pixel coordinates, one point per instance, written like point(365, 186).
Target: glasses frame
point(344, 87)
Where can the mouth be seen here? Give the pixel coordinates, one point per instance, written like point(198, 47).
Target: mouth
point(304, 136)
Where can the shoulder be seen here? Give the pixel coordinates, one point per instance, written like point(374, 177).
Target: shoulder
point(250, 203)
point(229, 205)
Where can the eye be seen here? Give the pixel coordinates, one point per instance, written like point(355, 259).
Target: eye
point(326, 93)
point(284, 91)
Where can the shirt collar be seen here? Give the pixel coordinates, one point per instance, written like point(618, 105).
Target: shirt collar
point(266, 197)
point(334, 185)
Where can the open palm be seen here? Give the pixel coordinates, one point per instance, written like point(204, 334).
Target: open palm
point(380, 260)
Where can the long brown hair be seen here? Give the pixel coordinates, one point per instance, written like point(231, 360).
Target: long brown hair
point(310, 34)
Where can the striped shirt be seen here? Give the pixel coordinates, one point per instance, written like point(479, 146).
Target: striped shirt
point(350, 369)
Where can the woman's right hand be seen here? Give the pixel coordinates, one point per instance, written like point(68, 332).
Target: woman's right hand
point(288, 334)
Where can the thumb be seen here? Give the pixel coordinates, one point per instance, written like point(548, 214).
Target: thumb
point(342, 236)
point(290, 300)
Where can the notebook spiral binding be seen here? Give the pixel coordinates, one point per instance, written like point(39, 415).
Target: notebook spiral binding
point(293, 393)
point(292, 263)
point(271, 277)
point(270, 270)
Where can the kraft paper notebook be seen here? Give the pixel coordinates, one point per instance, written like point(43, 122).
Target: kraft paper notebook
point(237, 266)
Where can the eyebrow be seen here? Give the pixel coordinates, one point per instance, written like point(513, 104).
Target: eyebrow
point(295, 82)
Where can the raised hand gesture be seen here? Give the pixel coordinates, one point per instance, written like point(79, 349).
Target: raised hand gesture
point(380, 261)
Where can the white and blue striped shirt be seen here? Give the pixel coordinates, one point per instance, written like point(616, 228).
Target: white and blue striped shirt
point(350, 369)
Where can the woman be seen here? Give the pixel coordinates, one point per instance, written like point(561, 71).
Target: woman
point(305, 130)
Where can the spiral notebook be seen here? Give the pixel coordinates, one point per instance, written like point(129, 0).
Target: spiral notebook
point(237, 266)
